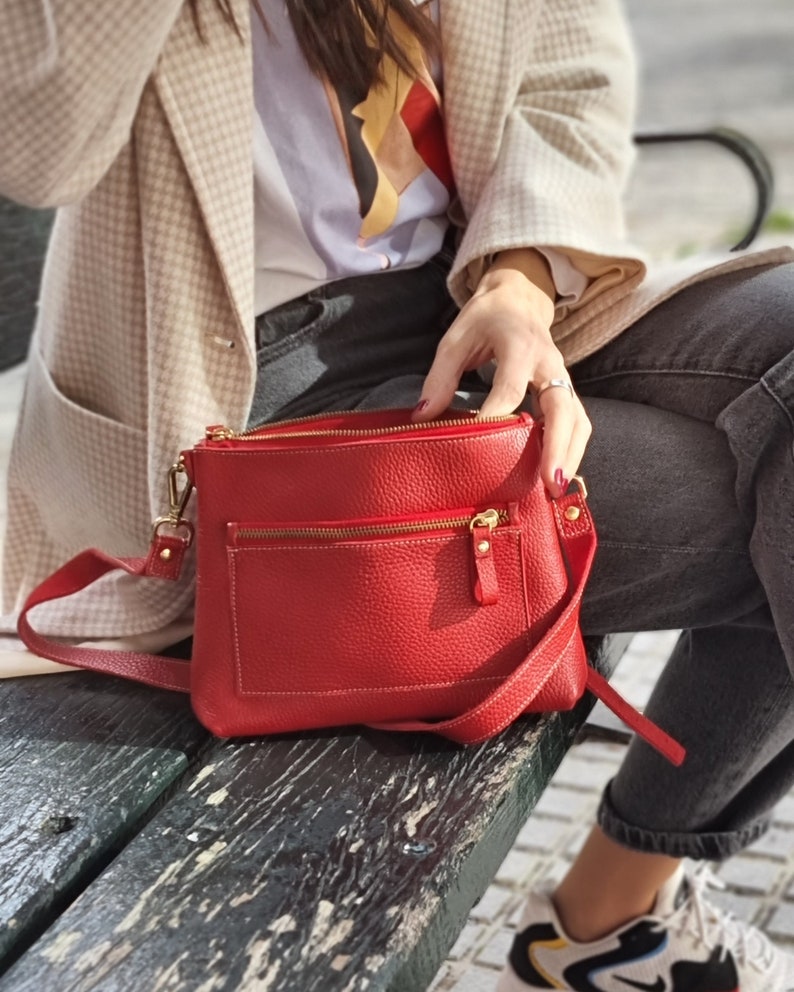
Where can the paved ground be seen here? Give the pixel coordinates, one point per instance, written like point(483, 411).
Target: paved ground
point(759, 883)
point(703, 62)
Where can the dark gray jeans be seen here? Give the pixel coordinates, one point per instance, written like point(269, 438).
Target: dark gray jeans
point(691, 472)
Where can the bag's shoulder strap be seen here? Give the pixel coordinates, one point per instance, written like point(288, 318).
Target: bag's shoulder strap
point(82, 571)
point(506, 703)
point(493, 714)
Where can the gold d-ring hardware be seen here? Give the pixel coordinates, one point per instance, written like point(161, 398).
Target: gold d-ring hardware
point(581, 484)
point(177, 525)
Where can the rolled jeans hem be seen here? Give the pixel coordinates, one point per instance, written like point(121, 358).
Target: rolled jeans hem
point(698, 845)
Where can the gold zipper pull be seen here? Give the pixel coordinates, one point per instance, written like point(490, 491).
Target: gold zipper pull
point(488, 519)
point(217, 432)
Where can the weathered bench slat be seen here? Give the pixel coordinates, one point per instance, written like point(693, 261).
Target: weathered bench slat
point(82, 761)
point(321, 862)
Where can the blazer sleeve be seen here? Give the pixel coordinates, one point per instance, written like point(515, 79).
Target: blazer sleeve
point(73, 74)
point(565, 150)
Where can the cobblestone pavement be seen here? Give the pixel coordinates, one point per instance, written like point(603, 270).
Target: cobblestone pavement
point(759, 883)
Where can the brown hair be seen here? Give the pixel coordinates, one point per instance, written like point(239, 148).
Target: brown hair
point(336, 36)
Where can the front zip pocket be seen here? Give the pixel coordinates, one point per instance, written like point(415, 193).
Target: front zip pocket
point(480, 526)
point(438, 598)
point(472, 520)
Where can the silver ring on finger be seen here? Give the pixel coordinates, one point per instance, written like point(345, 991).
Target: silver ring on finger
point(553, 384)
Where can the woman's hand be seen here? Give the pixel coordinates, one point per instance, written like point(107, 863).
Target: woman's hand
point(508, 319)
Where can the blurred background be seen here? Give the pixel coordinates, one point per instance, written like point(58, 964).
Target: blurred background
point(705, 63)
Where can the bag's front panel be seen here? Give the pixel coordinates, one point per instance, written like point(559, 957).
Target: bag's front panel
point(295, 633)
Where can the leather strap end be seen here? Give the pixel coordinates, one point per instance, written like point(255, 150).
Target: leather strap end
point(165, 557)
point(667, 746)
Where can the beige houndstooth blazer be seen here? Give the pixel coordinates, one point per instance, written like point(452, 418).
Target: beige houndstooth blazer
point(117, 111)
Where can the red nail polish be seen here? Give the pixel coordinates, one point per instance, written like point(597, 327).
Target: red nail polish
point(561, 481)
point(421, 405)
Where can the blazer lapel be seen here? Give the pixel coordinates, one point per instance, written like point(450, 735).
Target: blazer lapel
point(207, 93)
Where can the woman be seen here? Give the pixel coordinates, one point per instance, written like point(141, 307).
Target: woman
point(136, 116)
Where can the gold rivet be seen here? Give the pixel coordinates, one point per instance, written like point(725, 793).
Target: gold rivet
point(483, 546)
point(165, 554)
point(572, 513)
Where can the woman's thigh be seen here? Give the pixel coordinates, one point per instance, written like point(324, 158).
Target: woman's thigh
point(673, 544)
point(691, 453)
point(696, 352)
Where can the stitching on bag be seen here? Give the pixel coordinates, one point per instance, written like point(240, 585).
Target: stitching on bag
point(512, 532)
point(374, 689)
point(500, 692)
point(235, 629)
point(582, 526)
point(161, 683)
point(503, 533)
point(524, 590)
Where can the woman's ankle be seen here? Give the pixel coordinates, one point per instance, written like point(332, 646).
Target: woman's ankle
point(585, 920)
point(608, 886)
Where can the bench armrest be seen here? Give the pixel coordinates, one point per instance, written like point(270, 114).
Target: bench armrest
point(746, 150)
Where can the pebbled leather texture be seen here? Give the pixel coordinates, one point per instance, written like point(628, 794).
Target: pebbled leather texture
point(294, 634)
point(346, 574)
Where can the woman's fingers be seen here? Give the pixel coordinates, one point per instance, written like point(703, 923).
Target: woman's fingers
point(443, 378)
point(579, 440)
point(566, 433)
point(509, 387)
point(507, 321)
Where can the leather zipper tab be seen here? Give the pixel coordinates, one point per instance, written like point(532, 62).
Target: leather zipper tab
point(486, 585)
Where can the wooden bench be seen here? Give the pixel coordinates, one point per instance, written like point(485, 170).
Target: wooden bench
point(141, 854)
point(322, 861)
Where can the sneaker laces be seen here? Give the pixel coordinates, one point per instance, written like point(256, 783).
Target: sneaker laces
point(716, 927)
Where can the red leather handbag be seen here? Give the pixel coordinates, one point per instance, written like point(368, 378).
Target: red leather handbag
point(359, 568)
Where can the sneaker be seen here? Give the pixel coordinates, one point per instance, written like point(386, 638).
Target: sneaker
point(685, 945)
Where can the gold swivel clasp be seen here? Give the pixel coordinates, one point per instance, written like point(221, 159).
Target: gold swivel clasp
point(177, 498)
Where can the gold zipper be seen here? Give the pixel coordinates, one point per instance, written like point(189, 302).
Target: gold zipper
point(221, 433)
point(490, 519)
